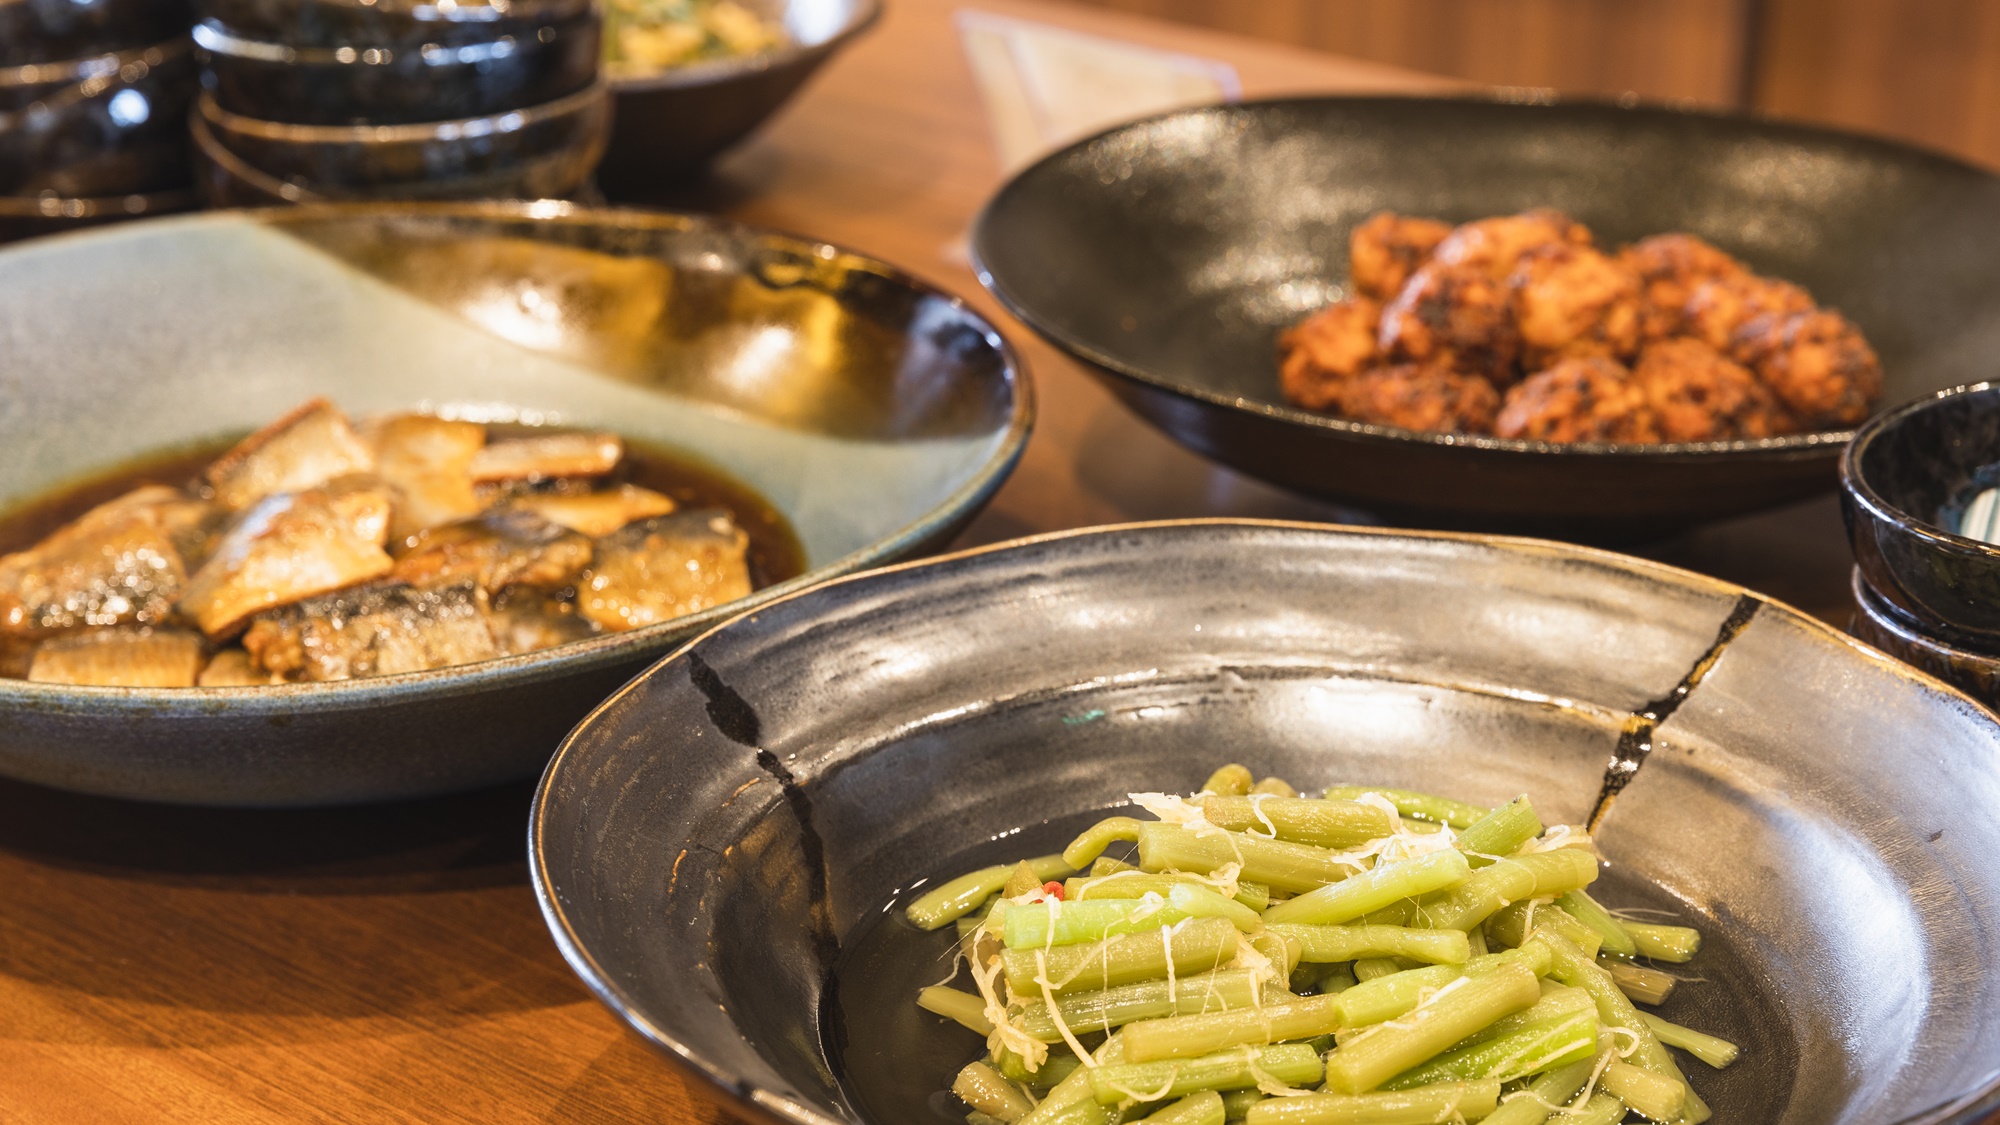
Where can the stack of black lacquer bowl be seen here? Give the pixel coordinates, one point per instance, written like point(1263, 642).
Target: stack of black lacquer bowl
point(93, 108)
point(1926, 585)
point(407, 99)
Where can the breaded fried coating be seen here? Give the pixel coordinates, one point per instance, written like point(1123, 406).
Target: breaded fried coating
point(1588, 399)
point(1459, 317)
point(1323, 351)
point(1419, 397)
point(1699, 394)
point(1385, 250)
point(1495, 245)
point(1817, 363)
point(1669, 267)
point(1718, 308)
point(1574, 301)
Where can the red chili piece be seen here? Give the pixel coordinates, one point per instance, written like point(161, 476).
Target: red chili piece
point(1053, 890)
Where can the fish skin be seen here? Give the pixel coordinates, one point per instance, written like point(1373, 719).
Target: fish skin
point(287, 548)
point(119, 563)
point(379, 629)
point(138, 658)
point(667, 567)
point(310, 446)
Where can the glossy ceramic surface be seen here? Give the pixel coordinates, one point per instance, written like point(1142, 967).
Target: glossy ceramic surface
point(1903, 468)
point(1169, 253)
point(707, 841)
point(875, 413)
point(670, 125)
point(397, 25)
point(343, 85)
point(51, 31)
point(1882, 624)
point(544, 151)
point(111, 125)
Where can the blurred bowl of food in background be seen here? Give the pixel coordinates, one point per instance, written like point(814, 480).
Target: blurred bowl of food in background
point(694, 77)
point(541, 152)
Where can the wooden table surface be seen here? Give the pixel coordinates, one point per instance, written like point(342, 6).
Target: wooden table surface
point(388, 964)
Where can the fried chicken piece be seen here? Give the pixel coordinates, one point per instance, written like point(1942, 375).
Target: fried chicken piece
point(1669, 267)
point(120, 563)
point(1817, 363)
point(1417, 397)
point(1588, 399)
point(428, 462)
point(1717, 309)
point(504, 547)
point(1699, 394)
point(1495, 245)
point(1571, 300)
point(1325, 350)
point(1458, 317)
point(139, 658)
point(380, 629)
point(659, 569)
point(1385, 250)
point(306, 448)
point(286, 548)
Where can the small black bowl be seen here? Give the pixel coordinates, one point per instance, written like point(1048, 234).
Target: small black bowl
point(111, 125)
point(350, 85)
point(1168, 254)
point(669, 125)
point(390, 24)
point(1881, 624)
point(1901, 472)
point(47, 31)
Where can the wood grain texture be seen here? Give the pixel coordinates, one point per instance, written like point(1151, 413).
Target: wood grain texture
point(388, 964)
point(1671, 49)
point(1928, 72)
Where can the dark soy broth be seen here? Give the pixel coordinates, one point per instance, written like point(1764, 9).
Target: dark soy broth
point(896, 1061)
point(775, 552)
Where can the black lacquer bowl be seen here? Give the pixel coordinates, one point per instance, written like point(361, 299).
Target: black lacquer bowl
point(1168, 254)
point(1950, 658)
point(706, 842)
point(1903, 472)
point(875, 413)
point(670, 124)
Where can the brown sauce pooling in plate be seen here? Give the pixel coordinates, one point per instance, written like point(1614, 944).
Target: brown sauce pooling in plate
point(773, 554)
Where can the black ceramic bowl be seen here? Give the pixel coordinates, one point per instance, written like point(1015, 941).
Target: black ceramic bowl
point(1902, 472)
point(397, 25)
point(544, 151)
point(1169, 253)
point(48, 31)
point(669, 125)
point(709, 842)
point(1880, 623)
point(386, 86)
point(111, 125)
point(874, 412)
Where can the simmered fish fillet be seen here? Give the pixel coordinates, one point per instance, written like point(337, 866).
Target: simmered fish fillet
point(308, 447)
point(376, 630)
point(119, 563)
point(532, 623)
point(428, 462)
point(598, 514)
point(232, 668)
point(504, 547)
point(144, 657)
point(290, 547)
point(667, 567)
point(565, 454)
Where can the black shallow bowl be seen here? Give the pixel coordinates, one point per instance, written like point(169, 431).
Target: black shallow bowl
point(1169, 253)
point(1883, 625)
point(875, 413)
point(669, 125)
point(706, 843)
point(1902, 470)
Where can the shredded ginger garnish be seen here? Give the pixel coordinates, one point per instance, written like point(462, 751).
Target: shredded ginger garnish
point(1401, 843)
point(1175, 809)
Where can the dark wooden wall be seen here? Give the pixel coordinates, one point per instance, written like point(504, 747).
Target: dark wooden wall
point(1925, 70)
